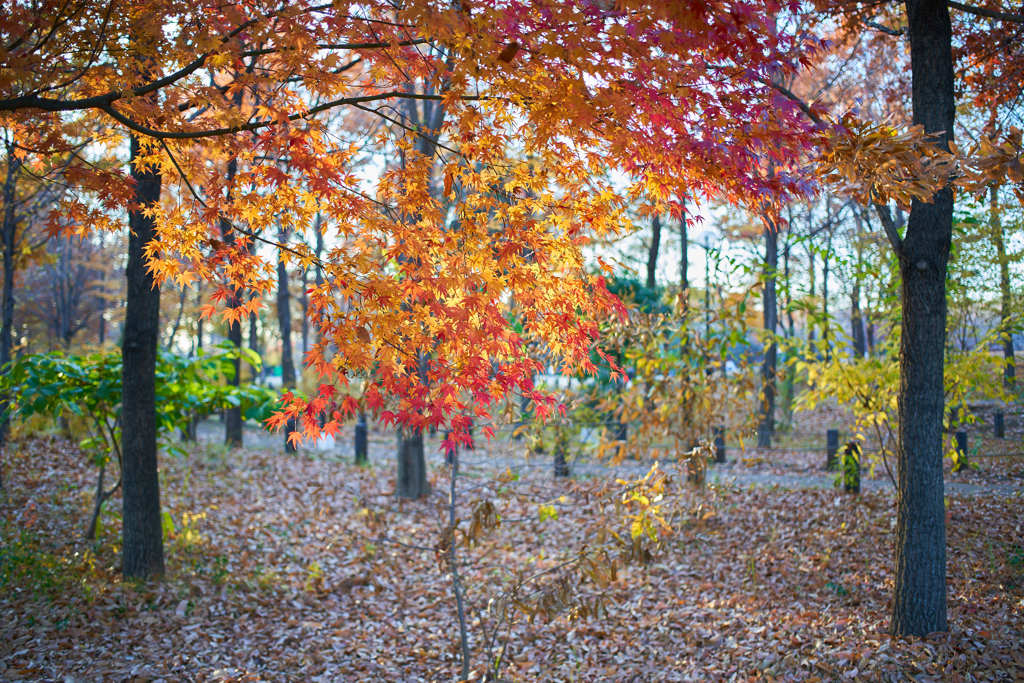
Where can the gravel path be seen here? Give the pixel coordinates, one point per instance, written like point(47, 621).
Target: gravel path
point(496, 455)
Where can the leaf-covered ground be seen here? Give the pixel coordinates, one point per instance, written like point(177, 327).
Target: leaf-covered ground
point(305, 568)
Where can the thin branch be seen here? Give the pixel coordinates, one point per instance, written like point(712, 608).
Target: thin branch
point(804, 107)
point(257, 125)
point(884, 29)
point(987, 13)
point(889, 225)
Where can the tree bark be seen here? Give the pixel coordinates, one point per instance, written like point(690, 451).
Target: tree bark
point(827, 322)
point(284, 321)
point(684, 258)
point(919, 605)
point(142, 542)
point(10, 225)
point(766, 423)
point(412, 469)
point(199, 319)
point(811, 272)
point(233, 415)
point(857, 321)
point(652, 252)
point(1005, 297)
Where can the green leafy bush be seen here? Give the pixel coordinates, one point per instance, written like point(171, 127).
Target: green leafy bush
point(89, 386)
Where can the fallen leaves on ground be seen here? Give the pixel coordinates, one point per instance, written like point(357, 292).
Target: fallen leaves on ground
point(298, 568)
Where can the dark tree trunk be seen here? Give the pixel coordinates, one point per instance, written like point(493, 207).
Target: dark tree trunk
point(254, 339)
point(177, 320)
point(652, 252)
point(199, 319)
point(827, 323)
point(412, 467)
point(304, 299)
point(284, 321)
point(1005, 299)
point(766, 412)
point(233, 415)
point(7, 307)
point(811, 289)
point(142, 543)
point(790, 322)
point(101, 303)
point(684, 258)
point(857, 322)
point(919, 605)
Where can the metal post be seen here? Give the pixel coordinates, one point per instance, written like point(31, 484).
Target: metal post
point(831, 448)
point(851, 467)
point(561, 446)
point(362, 456)
point(961, 451)
point(718, 436)
point(999, 424)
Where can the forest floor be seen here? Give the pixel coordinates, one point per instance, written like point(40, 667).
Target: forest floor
point(305, 567)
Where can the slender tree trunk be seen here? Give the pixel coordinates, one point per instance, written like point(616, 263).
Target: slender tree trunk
point(233, 416)
point(142, 543)
point(7, 327)
point(919, 606)
point(652, 252)
point(254, 342)
point(1005, 298)
point(684, 255)
point(766, 423)
point(304, 300)
point(284, 321)
point(827, 323)
point(811, 289)
point(857, 322)
point(199, 319)
point(177, 321)
point(101, 302)
point(412, 470)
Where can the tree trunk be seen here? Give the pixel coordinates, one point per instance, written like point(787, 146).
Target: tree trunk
point(177, 321)
point(827, 322)
point(254, 343)
point(1005, 300)
point(304, 300)
point(284, 321)
point(412, 467)
point(7, 327)
point(919, 605)
point(142, 542)
point(684, 258)
point(101, 302)
point(857, 322)
point(199, 318)
point(652, 252)
point(233, 415)
point(766, 423)
point(811, 272)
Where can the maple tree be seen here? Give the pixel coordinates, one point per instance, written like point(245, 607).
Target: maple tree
point(238, 84)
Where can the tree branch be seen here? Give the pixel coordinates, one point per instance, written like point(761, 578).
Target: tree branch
point(258, 125)
point(889, 225)
point(884, 29)
point(804, 107)
point(987, 13)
